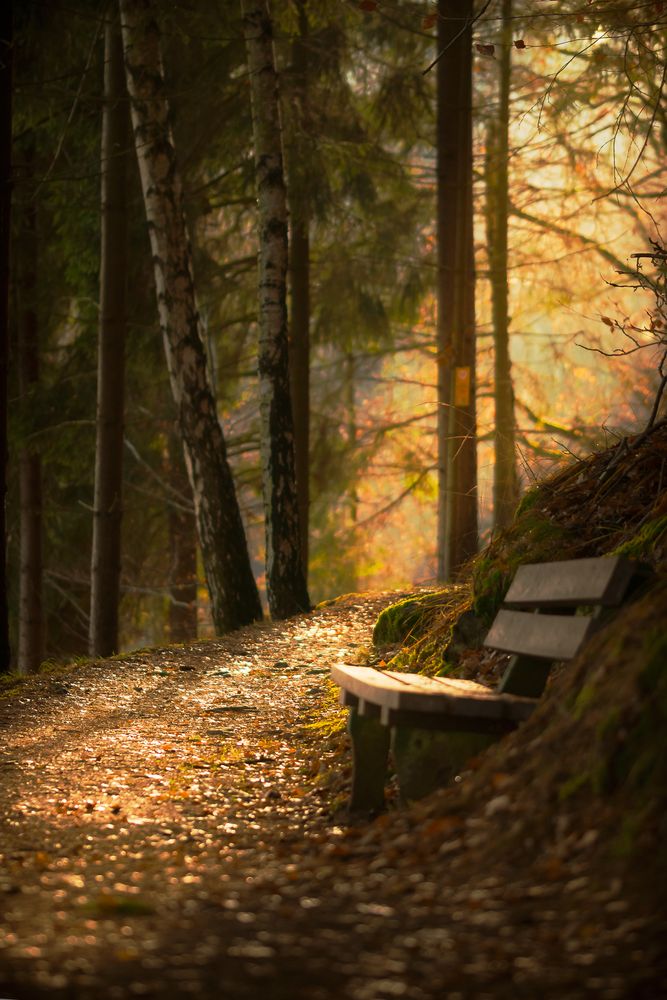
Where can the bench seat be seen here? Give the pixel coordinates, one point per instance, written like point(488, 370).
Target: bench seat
point(432, 702)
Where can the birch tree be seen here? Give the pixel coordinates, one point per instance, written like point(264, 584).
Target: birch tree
point(234, 596)
point(286, 586)
point(107, 505)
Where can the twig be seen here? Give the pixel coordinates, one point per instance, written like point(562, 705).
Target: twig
point(656, 402)
point(468, 24)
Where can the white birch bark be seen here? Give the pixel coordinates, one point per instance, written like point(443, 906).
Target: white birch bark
point(232, 588)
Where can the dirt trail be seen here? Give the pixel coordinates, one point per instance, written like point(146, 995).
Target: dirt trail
point(162, 835)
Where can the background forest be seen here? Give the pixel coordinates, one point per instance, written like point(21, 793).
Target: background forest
point(562, 162)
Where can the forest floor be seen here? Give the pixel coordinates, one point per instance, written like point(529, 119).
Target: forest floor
point(172, 826)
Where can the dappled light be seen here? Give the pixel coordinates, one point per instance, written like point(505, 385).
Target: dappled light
point(333, 482)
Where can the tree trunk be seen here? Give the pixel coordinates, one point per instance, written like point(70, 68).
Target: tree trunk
point(6, 43)
point(505, 483)
point(107, 505)
point(234, 596)
point(299, 354)
point(31, 623)
point(457, 445)
point(350, 397)
point(299, 267)
point(285, 579)
point(183, 546)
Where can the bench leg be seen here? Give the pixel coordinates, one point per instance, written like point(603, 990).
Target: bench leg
point(426, 760)
point(370, 752)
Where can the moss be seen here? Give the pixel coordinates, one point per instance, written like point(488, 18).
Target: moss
point(624, 843)
point(427, 656)
point(643, 544)
point(528, 500)
point(652, 677)
point(585, 697)
point(609, 724)
point(573, 785)
point(532, 537)
point(11, 684)
point(409, 619)
point(119, 905)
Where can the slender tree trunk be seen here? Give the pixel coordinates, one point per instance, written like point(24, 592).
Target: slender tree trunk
point(107, 506)
point(505, 483)
point(286, 585)
point(234, 596)
point(6, 43)
point(31, 624)
point(350, 385)
point(299, 267)
point(183, 546)
point(299, 355)
point(457, 445)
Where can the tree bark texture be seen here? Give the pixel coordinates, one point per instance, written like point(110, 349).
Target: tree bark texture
point(183, 547)
point(107, 504)
point(505, 482)
point(6, 44)
point(299, 271)
point(299, 355)
point(285, 580)
point(456, 435)
point(233, 592)
point(31, 613)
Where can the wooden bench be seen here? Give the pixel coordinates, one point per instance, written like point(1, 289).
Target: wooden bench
point(435, 724)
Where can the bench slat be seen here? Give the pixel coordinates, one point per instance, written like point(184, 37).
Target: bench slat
point(603, 580)
point(431, 695)
point(547, 637)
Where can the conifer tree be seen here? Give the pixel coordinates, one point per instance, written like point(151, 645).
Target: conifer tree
point(31, 617)
point(107, 510)
point(457, 443)
point(505, 482)
point(6, 43)
point(285, 578)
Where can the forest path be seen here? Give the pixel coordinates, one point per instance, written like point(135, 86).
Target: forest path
point(155, 810)
point(162, 834)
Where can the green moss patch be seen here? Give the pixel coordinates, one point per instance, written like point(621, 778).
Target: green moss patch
point(644, 543)
point(409, 619)
point(533, 537)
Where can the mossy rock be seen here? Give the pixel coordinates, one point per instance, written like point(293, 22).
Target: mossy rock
point(409, 619)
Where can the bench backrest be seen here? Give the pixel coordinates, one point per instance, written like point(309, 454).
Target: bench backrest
point(524, 627)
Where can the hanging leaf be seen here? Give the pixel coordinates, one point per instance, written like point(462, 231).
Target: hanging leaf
point(368, 5)
point(485, 50)
point(429, 21)
point(519, 43)
point(609, 322)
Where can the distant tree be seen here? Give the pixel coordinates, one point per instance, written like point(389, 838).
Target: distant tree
point(505, 481)
point(31, 613)
point(6, 45)
point(298, 196)
point(457, 438)
point(234, 596)
point(285, 578)
point(107, 505)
